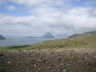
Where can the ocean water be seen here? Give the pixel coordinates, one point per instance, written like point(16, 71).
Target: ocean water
point(24, 41)
point(21, 41)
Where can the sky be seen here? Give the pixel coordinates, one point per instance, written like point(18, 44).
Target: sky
point(37, 17)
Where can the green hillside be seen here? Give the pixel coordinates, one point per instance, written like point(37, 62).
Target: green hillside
point(79, 41)
point(76, 41)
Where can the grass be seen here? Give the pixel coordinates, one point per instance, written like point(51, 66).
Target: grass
point(79, 41)
point(13, 47)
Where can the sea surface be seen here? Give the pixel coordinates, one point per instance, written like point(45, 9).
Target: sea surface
point(23, 41)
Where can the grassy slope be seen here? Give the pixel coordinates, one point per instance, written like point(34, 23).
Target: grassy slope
point(80, 41)
point(13, 47)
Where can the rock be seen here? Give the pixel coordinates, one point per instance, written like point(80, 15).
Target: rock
point(1, 55)
point(9, 62)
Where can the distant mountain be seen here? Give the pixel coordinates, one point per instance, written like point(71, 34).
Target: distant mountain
point(91, 32)
point(75, 35)
point(76, 41)
point(48, 35)
point(1, 37)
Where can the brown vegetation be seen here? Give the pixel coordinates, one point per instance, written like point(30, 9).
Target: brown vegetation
point(61, 60)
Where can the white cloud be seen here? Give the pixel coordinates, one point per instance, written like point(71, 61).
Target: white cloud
point(28, 2)
point(72, 21)
point(46, 18)
point(42, 3)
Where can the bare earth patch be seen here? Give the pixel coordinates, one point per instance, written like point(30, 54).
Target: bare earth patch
point(61, 60)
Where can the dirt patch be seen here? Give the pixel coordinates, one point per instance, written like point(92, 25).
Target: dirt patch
point(62, 60)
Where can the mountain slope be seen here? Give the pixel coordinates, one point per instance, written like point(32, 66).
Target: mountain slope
point(1, 37)
point(79, 41)
point(91, 32)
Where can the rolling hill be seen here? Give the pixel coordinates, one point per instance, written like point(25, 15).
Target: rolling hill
point(86, 40)
point(56, 59)
point(78, 41)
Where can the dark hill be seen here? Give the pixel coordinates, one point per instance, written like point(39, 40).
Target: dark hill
point(48, 35)
point(77, 41)
point(75, 35)
point(1, 37)
point(91, 32)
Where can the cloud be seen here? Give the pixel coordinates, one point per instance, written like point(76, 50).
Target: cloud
point(50, 20)
point(56, 16)
point(35, 2)
point(93, 12)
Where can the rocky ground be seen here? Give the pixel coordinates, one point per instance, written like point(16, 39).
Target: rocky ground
point(61, 60)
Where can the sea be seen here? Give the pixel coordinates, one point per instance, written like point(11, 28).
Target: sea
point(18, 41)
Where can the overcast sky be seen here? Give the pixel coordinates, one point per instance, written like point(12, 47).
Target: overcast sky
point(36, 17)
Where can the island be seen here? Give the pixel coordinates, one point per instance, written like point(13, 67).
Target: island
point(2, 37)
point(48, 35)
